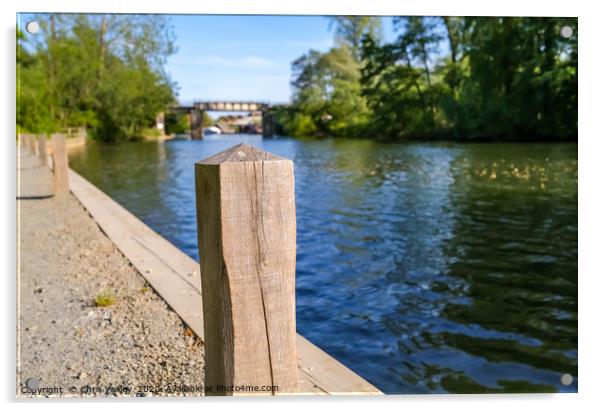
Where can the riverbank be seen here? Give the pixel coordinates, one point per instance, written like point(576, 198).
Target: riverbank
point(391, 238)
point(446, 137)
point(64, 339)
point(176, 278)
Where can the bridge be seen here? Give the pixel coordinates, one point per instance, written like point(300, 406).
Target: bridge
point(197, 109)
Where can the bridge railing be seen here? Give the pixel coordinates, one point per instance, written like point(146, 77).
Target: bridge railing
point(230, 106)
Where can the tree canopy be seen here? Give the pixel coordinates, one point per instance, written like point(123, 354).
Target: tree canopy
point(104, 72)
point(442, 77)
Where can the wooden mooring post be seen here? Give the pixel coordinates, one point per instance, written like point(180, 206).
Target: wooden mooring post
point(28, 140)
point(42, 151)
point(247, 244)
point(60, 164)
point(34, 145)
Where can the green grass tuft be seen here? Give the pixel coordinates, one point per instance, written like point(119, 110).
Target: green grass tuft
point(105, 299)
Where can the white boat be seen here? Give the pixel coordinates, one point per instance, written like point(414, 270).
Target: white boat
point(212, 130)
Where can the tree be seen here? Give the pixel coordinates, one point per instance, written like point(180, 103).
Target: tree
point(465, 78)
point(522, 78)
point(349, 30)
point(327, 98)
point(32, 112)
point(395, 92)
point(100, 71)
point(327, 94)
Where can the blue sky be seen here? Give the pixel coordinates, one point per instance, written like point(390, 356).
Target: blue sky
point(244, 57)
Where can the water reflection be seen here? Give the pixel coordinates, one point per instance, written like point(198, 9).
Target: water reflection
point(423, 267)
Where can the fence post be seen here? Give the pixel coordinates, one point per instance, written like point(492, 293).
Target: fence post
point(246, 231)
point(60, 164)
point(29, 142)
point(34, 145)
point(42, 152)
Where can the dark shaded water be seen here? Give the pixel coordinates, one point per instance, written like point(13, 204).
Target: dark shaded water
point(423, 267)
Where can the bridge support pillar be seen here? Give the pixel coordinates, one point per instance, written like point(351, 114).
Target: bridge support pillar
point(196, 124)
point(267, 124)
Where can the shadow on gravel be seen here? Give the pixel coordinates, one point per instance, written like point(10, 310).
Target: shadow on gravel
point(42, 197)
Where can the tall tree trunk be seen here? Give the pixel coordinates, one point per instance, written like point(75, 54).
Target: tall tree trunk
point(450, 39)
point(428, 77)
point(416, 85)
point(453, 81)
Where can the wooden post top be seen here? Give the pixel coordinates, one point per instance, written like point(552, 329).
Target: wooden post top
point(241, 153)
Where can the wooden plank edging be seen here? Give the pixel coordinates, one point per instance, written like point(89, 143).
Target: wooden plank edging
point(176, 277)
point(72, 143)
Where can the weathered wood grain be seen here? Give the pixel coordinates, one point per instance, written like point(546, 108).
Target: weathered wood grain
point(42, 150)
point(247, 245)
point(60, 164)
point(28, 142)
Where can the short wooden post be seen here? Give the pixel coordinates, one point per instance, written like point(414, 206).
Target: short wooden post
point(42, 152)
point(34, 144)
point(60, 164)
point(29, 142)
point(247, 246)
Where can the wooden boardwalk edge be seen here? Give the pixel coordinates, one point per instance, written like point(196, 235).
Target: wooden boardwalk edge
point(72, 143)
point(176, 277)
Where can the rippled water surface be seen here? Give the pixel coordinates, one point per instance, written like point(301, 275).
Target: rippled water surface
point(422, 267)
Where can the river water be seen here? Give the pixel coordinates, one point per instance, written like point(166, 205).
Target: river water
point(424, 267)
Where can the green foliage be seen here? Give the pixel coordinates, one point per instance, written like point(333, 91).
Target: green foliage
point(104, 72)
point(327, 94)
point(349, 30)
point(207, 119)
point(151, 132)
point(176, 123)
point(302, 125)
point(522, 78)
point(443, 77)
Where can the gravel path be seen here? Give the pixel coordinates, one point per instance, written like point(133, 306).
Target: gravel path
point(66, 344)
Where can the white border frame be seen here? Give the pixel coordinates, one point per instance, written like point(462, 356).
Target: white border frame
point(590, 149)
